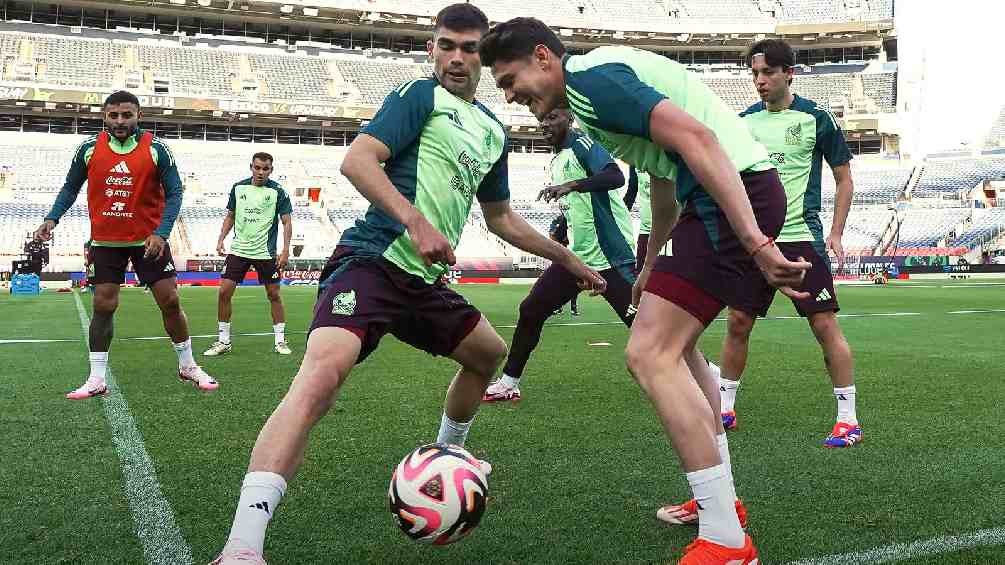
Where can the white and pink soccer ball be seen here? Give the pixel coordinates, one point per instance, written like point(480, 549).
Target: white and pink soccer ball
point(437, 494)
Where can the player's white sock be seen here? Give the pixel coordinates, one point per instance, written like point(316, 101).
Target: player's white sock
point(260, 495)
point(727, 393)
point(99, 364)
point(509, 382)
point(846, 404)
point(716, 370)
point(717, 521)
point(280, 332)
point(224, 332)
point(452, 432)
point(184, 351)
point(723, 444)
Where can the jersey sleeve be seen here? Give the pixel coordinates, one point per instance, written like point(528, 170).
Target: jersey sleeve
point(173, 188)
point(591, 155)
point(401, 118)
point(232, 199)
point(495, 186)
point(283, 204)
point(830, 140)
point(611, 97)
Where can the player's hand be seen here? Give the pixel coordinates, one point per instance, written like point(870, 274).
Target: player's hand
point(551, 193)
point(833, 242)
point(781, 273)
point(220, 249)
point(640, 285)
point(429, 243)
point(44, 231)
point(283, 259)
point(589, 279)
point(153, 247)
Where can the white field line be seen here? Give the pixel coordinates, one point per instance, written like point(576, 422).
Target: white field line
point(162, 540)
point(910, 550)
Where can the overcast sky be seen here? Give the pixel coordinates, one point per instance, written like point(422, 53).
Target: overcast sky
point(951, 59)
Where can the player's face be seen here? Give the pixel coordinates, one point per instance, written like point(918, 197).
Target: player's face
point(535, 81)
point(260, 171)
point(456, 63)
point(555, 125)
point(121, 119)
point(772, 83)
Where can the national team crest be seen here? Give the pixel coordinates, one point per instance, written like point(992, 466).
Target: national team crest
point(344, 303)
point(794, 134)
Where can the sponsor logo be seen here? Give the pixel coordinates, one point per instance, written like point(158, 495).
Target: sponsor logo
point(119, 181)
point(169, 267)
point(120, 168)
point(117, 211)
point(454, 116)
point(824, 296)
point(118, 192)
point(778, 158)
point(344, 303)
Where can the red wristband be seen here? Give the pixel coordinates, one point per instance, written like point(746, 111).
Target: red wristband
point(767, 242)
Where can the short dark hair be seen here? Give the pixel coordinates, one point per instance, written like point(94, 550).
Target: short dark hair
point(262, 156)
point(516, 39)
point(462, 17)
point(121, 97)
point(777, 53)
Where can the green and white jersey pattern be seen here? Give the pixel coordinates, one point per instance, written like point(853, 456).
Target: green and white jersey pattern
point(444, 152)
point(645, 209)
point(257, 213)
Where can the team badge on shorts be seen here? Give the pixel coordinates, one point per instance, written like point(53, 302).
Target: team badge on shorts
point(344, 303)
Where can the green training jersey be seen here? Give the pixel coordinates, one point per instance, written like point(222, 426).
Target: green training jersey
point(613, 90)
point(257, 213)
point(599, 223)
point(798, 139)
point(645, 209)
point(445, 151)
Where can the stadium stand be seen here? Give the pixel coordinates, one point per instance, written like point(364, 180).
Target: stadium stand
point(930, 227)
point(872, 185)
point(863, 229)
point(953, 177)
point(986, 225)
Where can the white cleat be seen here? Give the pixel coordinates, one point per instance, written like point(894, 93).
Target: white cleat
point(218, 348)
point(198, 377)
point(281, 348)
point(236, 552)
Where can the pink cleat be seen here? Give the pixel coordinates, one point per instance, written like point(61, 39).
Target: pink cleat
point(498, 392)
point(198, 377)
point(93, 386)
point(236, 552)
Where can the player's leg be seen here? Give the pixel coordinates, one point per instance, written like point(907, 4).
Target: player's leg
point(109, 271)
point(234, 270)
point(733, 360)
point(555, 287)
point(279, 450)
point(661, 343)
point(479, 355)
point(641, 249)
point(575, 304)
point(268, 273)
point(619, 294)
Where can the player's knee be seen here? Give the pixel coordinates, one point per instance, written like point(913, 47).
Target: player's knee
point(171, 304)
point(825, 327)
point(274, 296)
point(105, 306)
point(636, 358)
point(739, 325)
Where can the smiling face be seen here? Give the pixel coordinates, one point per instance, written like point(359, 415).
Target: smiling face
point(535, 81)
point(456, 63)
point(121, 119)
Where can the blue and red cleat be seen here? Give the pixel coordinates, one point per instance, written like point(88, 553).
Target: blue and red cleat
point(844, 435)
point(729, 420)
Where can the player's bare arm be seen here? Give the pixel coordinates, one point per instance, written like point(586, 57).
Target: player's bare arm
point(842, 205)
point(284, 255)
point(510, 226)
point(675, 130)
point(362, 167)
point(610, 178)
point(228, 224)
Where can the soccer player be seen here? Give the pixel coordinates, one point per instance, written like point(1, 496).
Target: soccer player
point(255, 208)
point(652, 113)
point(586, 178)
point(133, 197)
point(558, 231)
point(798, 135)
point(440, 148)
point(87, 283)
point(639, 184)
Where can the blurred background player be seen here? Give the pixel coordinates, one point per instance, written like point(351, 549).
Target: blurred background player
point(798, 135)
point(87, 283)
point(586, 178)
point(385, 275)
point(558, 231)
point(654, 114)
point(134, 195)
point(255, 208)
point(638, 191)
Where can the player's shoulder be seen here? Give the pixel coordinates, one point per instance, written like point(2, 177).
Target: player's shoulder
point(159, 145)
point(85, 144)
point(276, 186)
point(418, 88)
point(580, 142)
point(810, 107)
point(242, 182)
point(753, 109)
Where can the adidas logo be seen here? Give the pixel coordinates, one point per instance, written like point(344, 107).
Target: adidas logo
point(824, 296)
point(169, 267)
point(263, 505)
point(120, 168)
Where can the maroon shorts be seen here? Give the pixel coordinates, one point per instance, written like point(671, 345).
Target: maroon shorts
point(371, 297)
point(641, 248)
point(818, 282)
point(709, 267)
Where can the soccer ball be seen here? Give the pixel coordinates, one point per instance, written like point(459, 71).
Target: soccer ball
point(437, 494)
